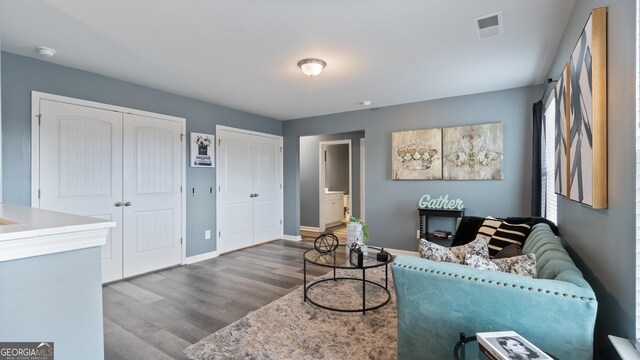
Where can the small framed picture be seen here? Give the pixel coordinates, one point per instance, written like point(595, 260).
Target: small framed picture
point(202, 150)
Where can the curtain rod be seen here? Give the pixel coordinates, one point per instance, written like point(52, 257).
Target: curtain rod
point(546, 86)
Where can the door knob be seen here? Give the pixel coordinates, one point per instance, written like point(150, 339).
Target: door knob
point(118, 204)
point(255, 195)
point(128, 203)
point(250, 195)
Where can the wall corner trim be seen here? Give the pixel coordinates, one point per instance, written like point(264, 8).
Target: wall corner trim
point(309, 228)
point(201, 257)
point(292, 237)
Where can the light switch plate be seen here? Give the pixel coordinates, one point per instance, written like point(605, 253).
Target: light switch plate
point(207, 234)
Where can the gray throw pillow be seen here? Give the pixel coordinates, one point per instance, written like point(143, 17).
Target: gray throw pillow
point(435, 252)
point(522, 265)
point(477, 247)
point(481, 263)
point(456, 255)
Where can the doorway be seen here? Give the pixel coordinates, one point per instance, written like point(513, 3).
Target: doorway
point(331, 190)
point(335, 179)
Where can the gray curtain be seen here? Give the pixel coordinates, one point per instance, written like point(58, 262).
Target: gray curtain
point(537, 176)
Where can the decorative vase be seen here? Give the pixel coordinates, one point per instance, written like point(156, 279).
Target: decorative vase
point(354, 235)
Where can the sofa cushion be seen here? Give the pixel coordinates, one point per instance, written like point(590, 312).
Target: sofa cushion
point(509, 251)
point(435, 252)
point(524, 265)
point(478, 247)
point(480, 262)
point(501, 234)
point(552, 260)
point(469, 225)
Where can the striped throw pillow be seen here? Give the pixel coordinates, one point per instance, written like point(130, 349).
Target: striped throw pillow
point(502, 234)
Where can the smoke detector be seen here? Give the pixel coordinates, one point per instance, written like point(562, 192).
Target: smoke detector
point(488, 26)
point(45, 51)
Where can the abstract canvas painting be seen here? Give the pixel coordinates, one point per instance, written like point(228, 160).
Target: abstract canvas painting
point(587, 121)
point(472, 152)
point(416, 154)
point(562, 99)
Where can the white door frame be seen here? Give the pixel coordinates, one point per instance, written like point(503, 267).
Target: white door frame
point(321, 224)
point(362, 172)
point(254, 133)
point(36, 96)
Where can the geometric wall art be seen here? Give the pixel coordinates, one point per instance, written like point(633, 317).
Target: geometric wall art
point(416, 154)
point(587, 132)
point(562, 110)
point(472, 152)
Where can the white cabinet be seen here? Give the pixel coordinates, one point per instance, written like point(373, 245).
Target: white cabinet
point(333, 208)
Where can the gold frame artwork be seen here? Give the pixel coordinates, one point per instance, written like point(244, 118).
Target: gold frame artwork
point(599, 108)
point(587, 109)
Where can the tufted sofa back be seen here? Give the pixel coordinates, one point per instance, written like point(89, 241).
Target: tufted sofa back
point(552, 260)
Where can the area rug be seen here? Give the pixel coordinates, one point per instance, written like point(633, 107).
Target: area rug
point(289, 328)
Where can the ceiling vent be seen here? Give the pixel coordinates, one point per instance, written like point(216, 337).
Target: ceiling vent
point(488, 26)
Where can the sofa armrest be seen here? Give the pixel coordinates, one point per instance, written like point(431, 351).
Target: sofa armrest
point(437, 301)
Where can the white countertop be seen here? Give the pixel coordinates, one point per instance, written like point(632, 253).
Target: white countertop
point(38, 232)
point(334, 192)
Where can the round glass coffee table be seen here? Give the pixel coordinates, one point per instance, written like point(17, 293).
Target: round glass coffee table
point(334, 262)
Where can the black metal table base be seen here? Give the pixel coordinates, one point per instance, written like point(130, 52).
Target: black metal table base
point(364, 308)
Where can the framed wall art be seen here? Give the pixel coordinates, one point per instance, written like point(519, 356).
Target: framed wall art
point(416, 154)
point(202, 148)
point(472, 152)
point(562, 109)
point(588, 114)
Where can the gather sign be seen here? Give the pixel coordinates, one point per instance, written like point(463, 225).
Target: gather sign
point(443, 202)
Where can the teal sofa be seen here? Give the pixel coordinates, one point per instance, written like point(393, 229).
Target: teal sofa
point(437, 301)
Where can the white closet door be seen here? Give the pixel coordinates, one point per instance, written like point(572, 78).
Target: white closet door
point(152, 179)
point(267, 205)
point(235, 213)
point(81, 169)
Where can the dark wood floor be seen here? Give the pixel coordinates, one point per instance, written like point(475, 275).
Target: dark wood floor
point(157, 315)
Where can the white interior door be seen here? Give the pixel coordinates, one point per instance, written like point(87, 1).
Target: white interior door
point(152, 199)
point(267, 189)
point(235, 157)
point(81, 169)
point(250, 189)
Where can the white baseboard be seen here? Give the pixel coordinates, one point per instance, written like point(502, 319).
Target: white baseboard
point(201, 257)
point(309, 228)
point(292, 237)
point(402, 252)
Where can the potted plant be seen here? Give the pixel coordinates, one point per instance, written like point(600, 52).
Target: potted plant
point(357, 232)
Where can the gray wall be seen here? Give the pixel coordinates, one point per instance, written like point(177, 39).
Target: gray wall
point(35, 304)
point(336, 177)
point(391, 206)
point(21, 75)
point(309, 175)
point(603, 240)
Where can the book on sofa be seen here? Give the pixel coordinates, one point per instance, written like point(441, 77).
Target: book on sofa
point(507, 345)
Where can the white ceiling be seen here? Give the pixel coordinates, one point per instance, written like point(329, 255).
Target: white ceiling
point(243, 53)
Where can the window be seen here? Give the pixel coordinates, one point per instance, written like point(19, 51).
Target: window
point(549, 197)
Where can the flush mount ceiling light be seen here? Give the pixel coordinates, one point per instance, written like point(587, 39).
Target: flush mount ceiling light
point(311, 67)
point(45, 51)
